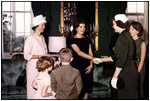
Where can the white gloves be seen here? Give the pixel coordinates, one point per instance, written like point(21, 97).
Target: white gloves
point(97, 60)
point(114, 82)
point(53, 93)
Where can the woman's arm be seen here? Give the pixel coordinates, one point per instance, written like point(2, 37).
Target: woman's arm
point(143, 53)
point(38, 56)
point(80, 53)
point(117, 72)
point(44, 92)
point(115, 77)
point(107, 59)
point(34, 84)
point(89, 68)
point(28, 49)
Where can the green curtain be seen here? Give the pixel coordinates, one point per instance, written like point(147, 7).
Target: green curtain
point(51, 10)
point(86, 10)
point(107, 10)
point(44, 8)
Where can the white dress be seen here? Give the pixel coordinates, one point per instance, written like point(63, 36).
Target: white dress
point(43, 79)
point(34, 45)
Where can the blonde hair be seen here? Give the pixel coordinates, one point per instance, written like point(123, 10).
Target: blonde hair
point(44, 63)
point(65, 54)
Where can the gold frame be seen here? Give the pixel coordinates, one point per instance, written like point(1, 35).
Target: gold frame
point(62, 18)
point(96, 26)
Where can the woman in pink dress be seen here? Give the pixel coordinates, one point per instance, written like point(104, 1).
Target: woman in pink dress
point(34, 48)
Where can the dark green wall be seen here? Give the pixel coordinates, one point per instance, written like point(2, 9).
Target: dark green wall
point(107, 10)
point(55, 19)
point(52, 12)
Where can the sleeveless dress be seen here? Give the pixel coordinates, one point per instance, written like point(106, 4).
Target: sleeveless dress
point(138, 43)
point(34, 45)
point(82, 63)
point(43, 79)
point(124, 54)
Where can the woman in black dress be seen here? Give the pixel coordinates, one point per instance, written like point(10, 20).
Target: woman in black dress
point(82, 56)
point(124, 54)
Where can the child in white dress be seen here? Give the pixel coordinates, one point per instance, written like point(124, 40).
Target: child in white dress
point(42, 82)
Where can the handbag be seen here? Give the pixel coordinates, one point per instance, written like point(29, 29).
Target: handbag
point(120, 83)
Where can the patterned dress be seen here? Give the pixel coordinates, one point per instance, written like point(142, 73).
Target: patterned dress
point(34, 45)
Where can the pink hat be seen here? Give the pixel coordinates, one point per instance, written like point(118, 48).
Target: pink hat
point(38, 20)
point(121, 17)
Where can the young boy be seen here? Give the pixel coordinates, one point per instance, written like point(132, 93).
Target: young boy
point(66, 80)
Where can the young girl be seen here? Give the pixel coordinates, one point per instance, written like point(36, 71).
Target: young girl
point(42, 82)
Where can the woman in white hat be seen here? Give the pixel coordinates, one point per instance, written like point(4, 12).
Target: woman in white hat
point(34, 48)
point(124, 53)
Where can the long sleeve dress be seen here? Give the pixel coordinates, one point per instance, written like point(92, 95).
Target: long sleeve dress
point(43, 79)
point(34, 45)
point(124, 54)
point(82, 63)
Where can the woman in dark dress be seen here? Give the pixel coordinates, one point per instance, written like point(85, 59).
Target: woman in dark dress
point(82, 57)
point(136, 30)
point(124, 53)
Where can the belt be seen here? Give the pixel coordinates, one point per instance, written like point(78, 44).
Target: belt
point(137, 59)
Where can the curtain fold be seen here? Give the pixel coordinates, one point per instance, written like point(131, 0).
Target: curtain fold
point(41, 7)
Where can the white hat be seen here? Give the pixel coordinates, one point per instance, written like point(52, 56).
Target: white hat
point(38, 20)
point(121, 17)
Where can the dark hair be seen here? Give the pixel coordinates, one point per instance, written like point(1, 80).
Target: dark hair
point(65, 54)
point(44, 63)
point(33, 28)
point(137, 26)
point(121, 24)
point(76, 24)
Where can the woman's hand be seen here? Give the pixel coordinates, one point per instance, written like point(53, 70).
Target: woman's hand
point(48, 55)
point(114, 82)
point(97, 60)
point(89, 69)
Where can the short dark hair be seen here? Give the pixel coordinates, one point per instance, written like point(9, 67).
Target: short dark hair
point(137, 26)
point(121, 24)
point(33, 28)
point(65, 54)
point(44, 63)
point(76, 24)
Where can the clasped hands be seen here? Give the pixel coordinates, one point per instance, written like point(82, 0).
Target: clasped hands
point(103, 59)
point(97, 60)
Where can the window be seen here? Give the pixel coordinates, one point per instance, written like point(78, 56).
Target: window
point(135, 11)
point(138, 11)
point(16, 26)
